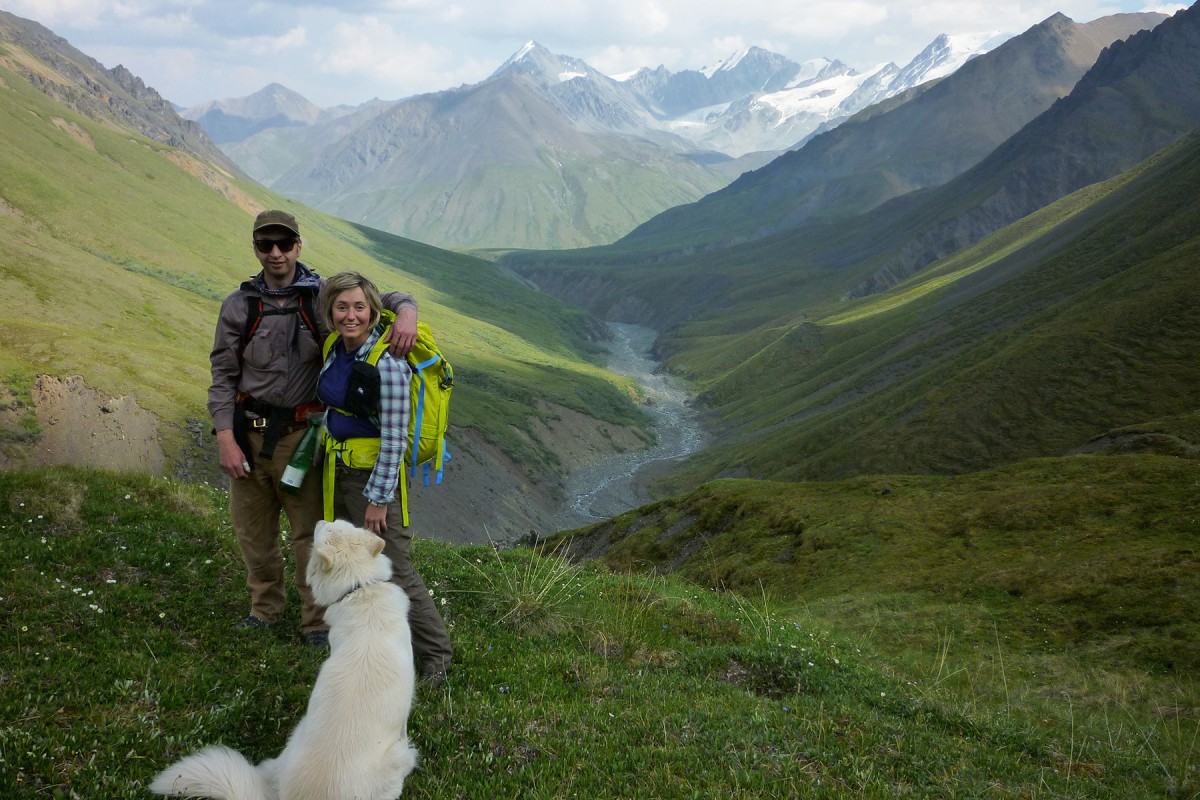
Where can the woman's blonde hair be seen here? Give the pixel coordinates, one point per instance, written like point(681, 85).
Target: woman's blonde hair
point(343, 282)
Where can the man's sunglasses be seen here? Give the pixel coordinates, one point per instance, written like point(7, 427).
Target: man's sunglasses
point(267, 245)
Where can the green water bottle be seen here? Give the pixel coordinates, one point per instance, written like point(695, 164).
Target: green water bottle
point(302, 460)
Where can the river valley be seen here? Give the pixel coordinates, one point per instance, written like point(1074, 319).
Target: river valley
point(610, 487)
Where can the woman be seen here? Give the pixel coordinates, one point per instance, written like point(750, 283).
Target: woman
point(367, 427)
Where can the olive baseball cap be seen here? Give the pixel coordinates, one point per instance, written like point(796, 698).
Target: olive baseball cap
point(275, 217)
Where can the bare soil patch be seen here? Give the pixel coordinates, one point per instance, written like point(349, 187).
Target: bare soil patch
point(83, 427)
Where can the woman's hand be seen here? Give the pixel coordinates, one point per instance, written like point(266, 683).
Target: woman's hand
point(376, 519)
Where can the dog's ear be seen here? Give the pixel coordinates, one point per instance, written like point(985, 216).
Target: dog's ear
point(376, 546)
point(325, 552)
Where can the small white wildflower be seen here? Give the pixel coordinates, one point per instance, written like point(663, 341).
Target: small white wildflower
point(127, 496)
point(110, 580)
point(162, 615)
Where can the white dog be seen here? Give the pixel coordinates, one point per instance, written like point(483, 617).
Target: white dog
point(353, 740)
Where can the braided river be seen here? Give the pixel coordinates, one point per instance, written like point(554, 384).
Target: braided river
point(611, 486)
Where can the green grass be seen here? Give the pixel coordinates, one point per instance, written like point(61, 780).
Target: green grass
point(1049, 544)
point(118, 657)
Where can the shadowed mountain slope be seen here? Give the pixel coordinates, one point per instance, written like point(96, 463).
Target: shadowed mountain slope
point(1082, 318)
point(1141, 95)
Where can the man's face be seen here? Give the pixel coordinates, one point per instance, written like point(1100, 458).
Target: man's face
point(278, 250)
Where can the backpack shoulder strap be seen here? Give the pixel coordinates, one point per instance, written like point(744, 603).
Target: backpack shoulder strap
point(254, 315)
point(308, 312)
point(386, 318)
point(256, 310)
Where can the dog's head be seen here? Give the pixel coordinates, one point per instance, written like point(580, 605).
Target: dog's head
point(344, 556)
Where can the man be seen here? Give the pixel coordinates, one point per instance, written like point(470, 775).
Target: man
point(265, 360)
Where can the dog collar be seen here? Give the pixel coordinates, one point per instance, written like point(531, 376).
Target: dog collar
point(351, 591)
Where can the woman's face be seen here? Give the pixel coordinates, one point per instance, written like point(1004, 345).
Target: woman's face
point(351, 314)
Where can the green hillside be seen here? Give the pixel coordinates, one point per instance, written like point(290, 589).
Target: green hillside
point(115, 252)
point(1079, 319)
point(965, 673)
point(1076, 320)
point(1091, 554)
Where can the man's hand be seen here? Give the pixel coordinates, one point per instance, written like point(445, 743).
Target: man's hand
point(403, 333)
point(233, 460)
point(375, 519)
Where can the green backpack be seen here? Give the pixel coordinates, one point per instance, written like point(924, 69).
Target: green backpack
point(429, 398)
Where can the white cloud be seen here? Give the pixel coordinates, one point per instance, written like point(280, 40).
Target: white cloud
point(347, 51)
point(274, 44)
point(370, 49)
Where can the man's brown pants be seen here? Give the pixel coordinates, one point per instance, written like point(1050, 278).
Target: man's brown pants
point(255, 505)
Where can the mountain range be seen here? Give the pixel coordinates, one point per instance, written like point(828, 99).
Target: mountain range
point(1012, 312)
point(834, 343)
point(548, 151)
point(919, 140)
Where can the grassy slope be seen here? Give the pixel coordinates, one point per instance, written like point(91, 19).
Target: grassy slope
point(1092, 553)
point(1079, 319)
point(566, 200)
point(116, 251)
point(116, 654)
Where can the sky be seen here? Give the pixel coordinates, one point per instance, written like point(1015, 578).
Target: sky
point(336, 52)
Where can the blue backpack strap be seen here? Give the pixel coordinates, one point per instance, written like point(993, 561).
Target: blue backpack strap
point(418, 370)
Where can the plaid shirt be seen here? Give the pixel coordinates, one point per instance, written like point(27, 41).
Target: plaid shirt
point(393, 422)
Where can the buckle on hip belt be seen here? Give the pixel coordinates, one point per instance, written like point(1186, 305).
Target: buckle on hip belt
point(259, 423)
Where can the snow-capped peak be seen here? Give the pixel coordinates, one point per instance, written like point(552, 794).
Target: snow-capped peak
point(525, 50)
point(946, 54)
point(724, 64)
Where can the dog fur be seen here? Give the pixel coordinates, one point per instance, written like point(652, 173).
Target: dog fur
point(353, 739)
